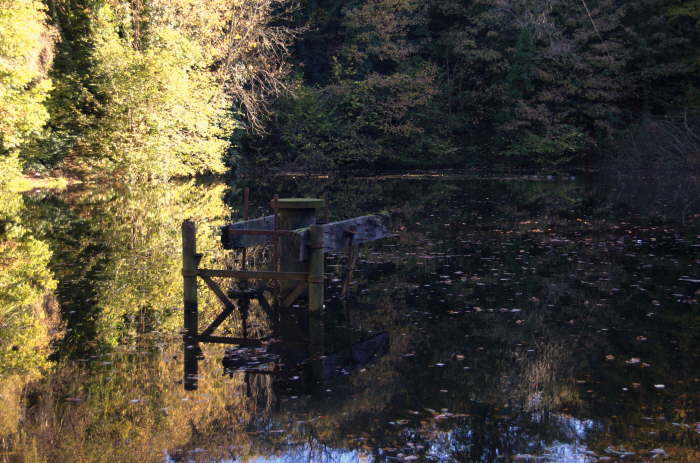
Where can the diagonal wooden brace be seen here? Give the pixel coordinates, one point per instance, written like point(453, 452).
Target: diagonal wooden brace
point(292, 296)
point(230, 307)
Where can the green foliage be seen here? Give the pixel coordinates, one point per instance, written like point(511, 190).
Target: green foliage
point(162, 113)
point(158, 88)
point(314, 132)
point(25, 43)
point(520, 78)
point(560, 146)
point(377, 98)
point(457, 82)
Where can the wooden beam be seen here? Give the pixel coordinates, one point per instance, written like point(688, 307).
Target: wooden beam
point(217, 321)
point(300, 276)
point(251, 232)
point(231, 241)
point(352, 253)
point(316, 260)
point(224, 299)
point(226, 340)
point(335, 234)
point(218, 291)
point(294, 295)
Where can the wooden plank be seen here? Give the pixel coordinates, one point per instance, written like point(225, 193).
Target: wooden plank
point(227, 340)
point(230, 241)
point(246, 201)
point(300, 276)
point(336, 234)
point(234, 232)
point(258, 231)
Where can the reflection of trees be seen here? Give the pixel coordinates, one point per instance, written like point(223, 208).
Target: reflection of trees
point(123, 246)
point(566, 269)
point(25, 281)
point(26, 306)
point(115, 251)
point(126, 406)
point(535, 375)
point(664, 194)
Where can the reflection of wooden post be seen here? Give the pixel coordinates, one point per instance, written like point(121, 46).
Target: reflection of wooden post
point(316, 331)
point(316, 257)
point(189, 274)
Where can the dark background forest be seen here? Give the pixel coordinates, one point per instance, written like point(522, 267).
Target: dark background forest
point(167, 88)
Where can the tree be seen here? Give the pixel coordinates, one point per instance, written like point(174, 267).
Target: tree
point(155, 88)
point(25, 56)
point(161, 112)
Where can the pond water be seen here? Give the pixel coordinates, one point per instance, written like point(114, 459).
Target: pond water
point(508, 319)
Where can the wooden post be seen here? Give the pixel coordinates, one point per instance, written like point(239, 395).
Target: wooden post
point(275, 239)
point(292, 214)
point(246, 198)
point(190, 262)
point(316, 257)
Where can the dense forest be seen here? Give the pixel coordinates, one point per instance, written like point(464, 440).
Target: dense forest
point(155, 89)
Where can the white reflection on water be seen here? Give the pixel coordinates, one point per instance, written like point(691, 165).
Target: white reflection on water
point(573, 450)
point(303, 454)
point(446, 444)
point(306, 456)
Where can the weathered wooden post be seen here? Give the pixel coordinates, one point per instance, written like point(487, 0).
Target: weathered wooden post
point(190, 262)
point(293, 213)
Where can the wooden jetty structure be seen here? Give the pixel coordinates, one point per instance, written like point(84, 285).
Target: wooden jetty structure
point(299, 245)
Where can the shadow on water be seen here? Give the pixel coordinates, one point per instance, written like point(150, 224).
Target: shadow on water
point(510, 319)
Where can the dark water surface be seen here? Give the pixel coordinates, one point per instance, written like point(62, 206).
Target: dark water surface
point(521, 319)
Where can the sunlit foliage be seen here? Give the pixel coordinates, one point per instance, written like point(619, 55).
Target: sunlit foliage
point(156, 89)
point(25, 55)
point(161, 112)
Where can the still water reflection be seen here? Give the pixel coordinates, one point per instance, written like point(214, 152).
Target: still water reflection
point(526, 319)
